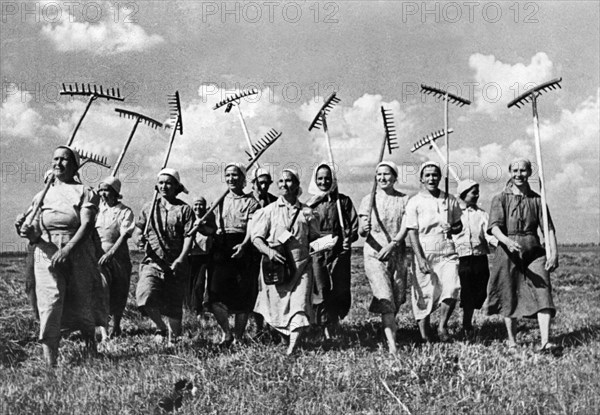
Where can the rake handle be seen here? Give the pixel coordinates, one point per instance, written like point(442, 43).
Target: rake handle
point(338, 203)
point(245, 128)
point(443, 158)
point(538, 153)
point(122, 155)
point(38, 203)
point(446, 181)
point(374, 187)
point(87, 107)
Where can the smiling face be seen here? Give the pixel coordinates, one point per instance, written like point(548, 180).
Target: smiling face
point(64, 166)
point(430, 177)
point(167, 186)
point(520, 172)
point(385, 177)
point(107, 194)
point(288, 185)
point(199, 207)
point(234, 179)
point(324, 178)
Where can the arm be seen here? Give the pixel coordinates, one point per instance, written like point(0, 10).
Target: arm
point(386, 251)
point(511, 245)
point(260, 244)
point(187, 245)
point(418, 250)
point(107, 257)
point(87, 216)
point(552, 259)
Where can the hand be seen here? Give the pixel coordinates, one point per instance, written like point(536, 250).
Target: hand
point(424, 266)
point(366, 229)
point(107, 257)
point(238, 250)
point(446, 228)
point(19, 222)
point(142, 241)
point(386, 251)
point(551, 263)
point(60, 257)
point(275, 256)
point(29, 232)
point(513, 246)
point(176, 264)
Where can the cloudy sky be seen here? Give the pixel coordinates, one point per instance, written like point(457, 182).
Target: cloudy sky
point(296, 54)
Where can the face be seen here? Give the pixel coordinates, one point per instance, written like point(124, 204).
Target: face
point(199, 207)
point(431, 177)
point(233, 178)
point(472, 196)
point(167, 186)
point(63, 164)
point(324, 179)
point(520, 173)
point(287, 184)
point(262, 184)
point(385, 177)
point(107, 194)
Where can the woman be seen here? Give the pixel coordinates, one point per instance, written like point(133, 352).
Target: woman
point(520, 271)
point(431, 218)
point(384, 250)
point(115, 224)
point(67, 280)
point(164, 267)
point(331, 268)
point(472, 248)
point(230, 283)
point(287, 306)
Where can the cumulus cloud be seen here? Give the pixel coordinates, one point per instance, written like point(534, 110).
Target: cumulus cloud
point(17, 117)
point(108, 36)
point(497, 83)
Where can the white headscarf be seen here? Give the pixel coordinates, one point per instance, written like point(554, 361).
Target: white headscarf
point(313, 188)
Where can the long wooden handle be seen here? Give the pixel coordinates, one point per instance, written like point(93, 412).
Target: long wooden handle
point(39, 202)
point(538, 153)
point(87, 107)
point(122, 155)
point(330, 151)
point(374, 188)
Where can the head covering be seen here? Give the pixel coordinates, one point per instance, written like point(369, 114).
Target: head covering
point(48, 175)
point(113, 183)
point(389, 164)
point(75, 154)
point(259, 171)
point(294, 173)
point(429, 163)
point(174, 174)
point(465, 185)
point(313, 188)
point(240, 167)
point(199, 199)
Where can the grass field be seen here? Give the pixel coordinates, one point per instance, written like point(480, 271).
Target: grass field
point(351, 375)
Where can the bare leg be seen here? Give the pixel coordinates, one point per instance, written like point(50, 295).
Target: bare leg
point(510, 329)
point(446, 309)
point(103, 333)
point(424, 329)
point(294, 337)
point(544, 318)
point(174, 328)
point(222, 317)
point(389, 329)
point(241, 320)
point(91, 346)
point(154, 315)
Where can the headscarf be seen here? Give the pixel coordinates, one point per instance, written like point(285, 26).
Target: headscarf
point(464, 186)
point(313, 188)
point(239, 166)
point(259, 171)
point(389, 164)
point(174, 174)
point(294, 173)
point(76, 158)
point(114, 184)
point(429, 163)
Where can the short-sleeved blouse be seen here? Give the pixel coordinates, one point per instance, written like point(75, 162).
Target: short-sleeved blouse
point(235, 212)
point(62, 206)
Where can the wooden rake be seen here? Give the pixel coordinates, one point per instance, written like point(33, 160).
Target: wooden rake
point(236, 100)
point(175, 122)
point(92, 91)
point(430, 141)
point(319, 121)
point(531, 95)
point(390, 140)
point(263, 144)
point(448, 98)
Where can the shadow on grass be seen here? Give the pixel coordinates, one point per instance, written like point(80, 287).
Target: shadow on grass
point(579, 337)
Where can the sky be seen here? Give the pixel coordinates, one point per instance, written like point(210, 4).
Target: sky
point(372, 54)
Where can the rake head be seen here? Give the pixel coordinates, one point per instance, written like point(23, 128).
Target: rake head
point(263, 144)
point(536, 91)
point(323, 112)
point(390, 129)
point(135, 115)
point(87, 157)
point(92, 89)
point(440, 93)
point(175, 119)
point(235, 98)
point(429, 139)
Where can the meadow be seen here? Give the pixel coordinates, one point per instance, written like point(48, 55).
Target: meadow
point(352, 374)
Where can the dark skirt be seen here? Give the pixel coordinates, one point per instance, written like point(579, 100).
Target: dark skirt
point(519, 284)
point(159, 287)
point(332, 282)
point(230, 280)
point(474, 274)
point(195, 294)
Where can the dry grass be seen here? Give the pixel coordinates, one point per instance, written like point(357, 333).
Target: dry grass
point(353, 374)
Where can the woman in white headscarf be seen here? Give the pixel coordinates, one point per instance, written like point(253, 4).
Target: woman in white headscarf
point(331, 268)
point(286, 306)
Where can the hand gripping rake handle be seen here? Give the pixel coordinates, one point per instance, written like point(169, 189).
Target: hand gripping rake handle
point(390, 141)
point(430, 140)
point(258, 149)
point(94, 92)
point(532, 95)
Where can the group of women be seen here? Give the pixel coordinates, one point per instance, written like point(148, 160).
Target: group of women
point(253, 255)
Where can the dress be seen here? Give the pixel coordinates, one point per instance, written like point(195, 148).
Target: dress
point(519, 284)
point(472, 248)
point(230, 281)
point(69, 296)
point(111, 223)
point(387, 279)
point(287, 307)
point(195, 294)
point(158, 286)
point(425, 213)
point(331, 268)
